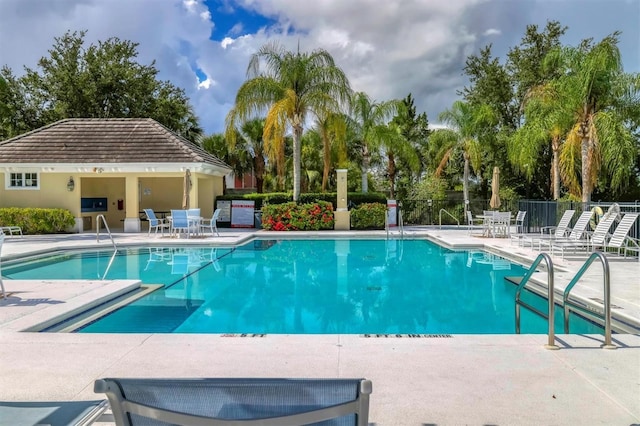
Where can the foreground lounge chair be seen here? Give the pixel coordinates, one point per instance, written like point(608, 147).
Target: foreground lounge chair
point(64, 413)
point(237, 401)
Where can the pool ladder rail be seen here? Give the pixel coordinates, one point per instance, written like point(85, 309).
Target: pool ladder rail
point(101, 218)
point(567, 304)
point(400, 224)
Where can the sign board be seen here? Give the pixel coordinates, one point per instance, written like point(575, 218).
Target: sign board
point(392, 212)
point(225, 210)
point(242, 213)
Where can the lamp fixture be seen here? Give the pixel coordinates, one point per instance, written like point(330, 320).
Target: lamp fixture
point(71, 184)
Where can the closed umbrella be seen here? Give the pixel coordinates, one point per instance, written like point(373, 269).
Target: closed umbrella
point(186, 189)
point(495, 188)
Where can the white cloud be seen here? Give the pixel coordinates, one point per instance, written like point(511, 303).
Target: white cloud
point(388, 48)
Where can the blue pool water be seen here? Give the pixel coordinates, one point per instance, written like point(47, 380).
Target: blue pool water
point(307, 287)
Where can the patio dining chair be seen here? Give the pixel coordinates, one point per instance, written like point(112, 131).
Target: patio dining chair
point(179, 222)
point(211, 224)
point(237, 401)
point(154, 222)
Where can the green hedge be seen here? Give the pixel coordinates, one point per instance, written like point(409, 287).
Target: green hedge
point(37, 221)
point(298, 217)
point(356, 198)
point(368, 216)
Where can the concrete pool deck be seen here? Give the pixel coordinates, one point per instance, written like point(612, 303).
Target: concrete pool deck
point(435, 380)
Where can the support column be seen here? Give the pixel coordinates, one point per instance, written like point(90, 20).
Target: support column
point(342, 215)
point(132, 204)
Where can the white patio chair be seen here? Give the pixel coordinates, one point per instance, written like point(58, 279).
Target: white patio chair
point(156, 223)
point(179, 222)
point(576, 243)
point(211, 224)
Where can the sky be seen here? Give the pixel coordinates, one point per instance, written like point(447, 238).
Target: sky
point(387, 48)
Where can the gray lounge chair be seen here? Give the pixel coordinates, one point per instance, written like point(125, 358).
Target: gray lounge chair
point(236, 401)
point(52, 413)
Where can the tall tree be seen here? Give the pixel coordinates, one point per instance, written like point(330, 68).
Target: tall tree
point(290, 86)
point(415, 129)
point(466, 122)
point(100, 80)
point(592, 89)
point(369, 119)
point(332, 129)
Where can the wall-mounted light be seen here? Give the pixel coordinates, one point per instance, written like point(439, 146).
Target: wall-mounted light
point(71, 184)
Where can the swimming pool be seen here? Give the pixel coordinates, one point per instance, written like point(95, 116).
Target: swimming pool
point(306, 287)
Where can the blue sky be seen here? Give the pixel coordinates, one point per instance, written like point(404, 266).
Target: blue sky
point(387, 48)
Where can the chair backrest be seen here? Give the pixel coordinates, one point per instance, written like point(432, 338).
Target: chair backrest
point(563, 223)
point(216, 215)
point(602, 230)
point(201, 401)
point(193, 213)
point(151, 217)
point(179, 219)
point(622, 230)
point(520, 221)
point(580, 227)
point(469, 218)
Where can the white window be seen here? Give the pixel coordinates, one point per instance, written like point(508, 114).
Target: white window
point(23, 180)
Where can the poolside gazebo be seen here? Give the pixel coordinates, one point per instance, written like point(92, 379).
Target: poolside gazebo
point(115, 167)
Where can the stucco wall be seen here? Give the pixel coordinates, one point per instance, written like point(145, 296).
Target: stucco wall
point(162, 192)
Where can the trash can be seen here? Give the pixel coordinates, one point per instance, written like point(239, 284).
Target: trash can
point(86, 223)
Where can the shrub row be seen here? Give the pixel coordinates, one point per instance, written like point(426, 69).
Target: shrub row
point(355, 198)
point(37, 220)
point(298, 217)
point(368, 216)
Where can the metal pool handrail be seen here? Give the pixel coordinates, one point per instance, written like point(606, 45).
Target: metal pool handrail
point(104, 220)
point(550, 296)
point(606, 317)
point(452, 216)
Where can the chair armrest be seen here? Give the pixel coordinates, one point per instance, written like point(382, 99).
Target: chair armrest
point(548, 228)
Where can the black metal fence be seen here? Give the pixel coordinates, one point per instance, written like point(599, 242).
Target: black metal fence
point(539, 213)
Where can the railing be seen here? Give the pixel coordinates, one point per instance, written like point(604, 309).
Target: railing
point(606, 317)
point(550, 297)
point(400, 225)
point(450, 215)
point(104, 220)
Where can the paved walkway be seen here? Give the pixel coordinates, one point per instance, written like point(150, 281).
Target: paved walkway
point(463, 379)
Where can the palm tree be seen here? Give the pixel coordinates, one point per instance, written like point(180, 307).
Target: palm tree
point(332, 129)
point(292, 85)
point(466, 123)
point(252, 132)
point(544, 123)
point(399, 148)
point(370, 120)
point(595, 91)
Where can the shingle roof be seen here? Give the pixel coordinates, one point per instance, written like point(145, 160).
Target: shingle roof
point(104, 140)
